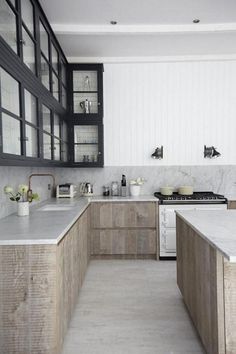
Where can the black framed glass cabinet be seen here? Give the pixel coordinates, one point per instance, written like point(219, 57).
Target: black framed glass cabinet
point(38, 125)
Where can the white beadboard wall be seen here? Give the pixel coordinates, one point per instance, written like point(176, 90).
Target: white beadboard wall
point(181, 105)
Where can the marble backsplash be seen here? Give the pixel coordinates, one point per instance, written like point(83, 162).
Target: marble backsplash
point(220, 179)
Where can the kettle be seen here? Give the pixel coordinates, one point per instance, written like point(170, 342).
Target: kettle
point(86, 188)
point(86, 106)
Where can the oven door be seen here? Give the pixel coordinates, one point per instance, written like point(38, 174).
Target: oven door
point(170, 240)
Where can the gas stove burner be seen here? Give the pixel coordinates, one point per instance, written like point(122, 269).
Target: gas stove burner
point(195, 198)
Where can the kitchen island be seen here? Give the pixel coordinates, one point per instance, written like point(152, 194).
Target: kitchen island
point(206, 275)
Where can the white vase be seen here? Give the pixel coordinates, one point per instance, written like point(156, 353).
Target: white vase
point(23, 208)
point(135, 190)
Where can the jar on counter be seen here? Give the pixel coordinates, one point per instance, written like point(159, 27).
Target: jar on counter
point(115, 189)
point(106, 191)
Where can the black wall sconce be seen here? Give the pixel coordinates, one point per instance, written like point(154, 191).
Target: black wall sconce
point(158, 153)
point(210, 152)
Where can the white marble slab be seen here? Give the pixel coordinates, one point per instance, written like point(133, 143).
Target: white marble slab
point(218, 227)
point(49, 227)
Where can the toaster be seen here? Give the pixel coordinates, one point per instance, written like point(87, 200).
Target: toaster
point(66, 190)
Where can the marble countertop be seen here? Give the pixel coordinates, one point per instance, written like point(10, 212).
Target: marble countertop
point(47, 226)
point(218, 227)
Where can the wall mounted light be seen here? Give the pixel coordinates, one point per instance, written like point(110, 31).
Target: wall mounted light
point(158, 153)
point(210, 152)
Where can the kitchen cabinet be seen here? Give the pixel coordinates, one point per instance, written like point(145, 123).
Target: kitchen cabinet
point(38, 303)
point(231, 204)
point(86, 114)
point(88, 145)
point(124, 230)
point(33, 75)
point(86, 91)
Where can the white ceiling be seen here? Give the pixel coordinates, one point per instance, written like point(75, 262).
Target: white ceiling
point(146, 28)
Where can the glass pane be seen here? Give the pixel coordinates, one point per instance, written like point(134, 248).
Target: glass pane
point(30, 108)
point(28, 51)
point(86, 153)
point(11, 137)
point(86, 134)
point(56, 125)
point(8, 25)
point(45, 73)
point(27, 11)
point(55, 89)
point(63, 97)
point(64, 152)
point(63, 72)
point(47, 146)
point(56, 149)
point(47, 119)
point(85, 81)
point(9, 93)
point(13, 2)
point(85, 103)
point(44, 40)
point(64, 131)
point(54, 59)
point(31, 141)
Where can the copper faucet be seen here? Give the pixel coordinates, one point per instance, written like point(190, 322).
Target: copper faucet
point(30, 192)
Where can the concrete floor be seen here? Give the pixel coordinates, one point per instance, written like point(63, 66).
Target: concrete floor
point(131, 307)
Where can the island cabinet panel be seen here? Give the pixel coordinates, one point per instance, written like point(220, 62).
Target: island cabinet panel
point(124, 230)
point(230, 306)
point(39, 286)
point(207, 282)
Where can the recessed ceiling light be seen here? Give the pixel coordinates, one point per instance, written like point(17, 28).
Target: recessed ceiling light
point(196, 20)
point(113, 22)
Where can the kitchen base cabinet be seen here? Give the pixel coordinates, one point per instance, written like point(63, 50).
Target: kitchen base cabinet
point(207, 282)
point(124, 230)
point(39, 286)
point(231, 204)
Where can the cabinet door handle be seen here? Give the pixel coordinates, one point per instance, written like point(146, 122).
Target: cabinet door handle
point(99, 104)
point(22, 41)
point(99, 153)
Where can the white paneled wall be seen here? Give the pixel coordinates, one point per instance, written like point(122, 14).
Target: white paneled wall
point(182, 106)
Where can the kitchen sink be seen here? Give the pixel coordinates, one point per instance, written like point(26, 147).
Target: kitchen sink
point(56, 207)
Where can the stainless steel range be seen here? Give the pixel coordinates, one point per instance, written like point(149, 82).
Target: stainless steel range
point(167, 217)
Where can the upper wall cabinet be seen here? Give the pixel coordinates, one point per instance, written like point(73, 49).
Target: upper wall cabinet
point(33, 88)
point(86, 93)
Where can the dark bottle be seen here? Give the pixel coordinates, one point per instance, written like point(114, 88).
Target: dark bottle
point(123, 186)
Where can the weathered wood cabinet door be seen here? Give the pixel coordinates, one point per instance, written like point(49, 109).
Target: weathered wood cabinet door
point(125, 230)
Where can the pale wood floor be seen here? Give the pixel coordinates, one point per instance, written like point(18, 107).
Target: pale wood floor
point(131, 307)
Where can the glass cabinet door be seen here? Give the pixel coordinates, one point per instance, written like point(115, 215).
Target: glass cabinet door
point(27, 13)
point(10, 98)
point(86, 144)
point(31, 141)
point(11, 135)
point(28, 50)
point(8, 25)
point(85, 92)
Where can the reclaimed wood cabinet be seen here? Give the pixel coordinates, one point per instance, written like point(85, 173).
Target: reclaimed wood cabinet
point(207, 282)
point(231, 204)
point(39, 286)
point(124, 230)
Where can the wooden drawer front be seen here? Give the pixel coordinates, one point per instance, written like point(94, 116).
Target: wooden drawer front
point(108, 242)
point(118, 215)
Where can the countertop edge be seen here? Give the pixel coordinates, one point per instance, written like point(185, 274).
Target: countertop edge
point(229, 258)
point(88, 201)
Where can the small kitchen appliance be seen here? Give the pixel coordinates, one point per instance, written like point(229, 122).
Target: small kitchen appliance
point(66, 190)
point(167, 217)
point(86, 189)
